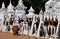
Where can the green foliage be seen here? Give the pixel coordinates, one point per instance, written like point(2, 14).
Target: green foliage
point(6, 2)
point(36, 4)
point(0, 3)
point(15, 2)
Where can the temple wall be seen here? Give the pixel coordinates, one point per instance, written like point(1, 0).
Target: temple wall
point(1, 16)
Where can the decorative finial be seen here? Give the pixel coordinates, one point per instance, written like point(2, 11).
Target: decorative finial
point(10, 2)
point(3, 5)
point(41, 12)
point(31, 9)
point(20, 1)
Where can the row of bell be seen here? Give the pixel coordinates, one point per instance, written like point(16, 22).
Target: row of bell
point(51, 22)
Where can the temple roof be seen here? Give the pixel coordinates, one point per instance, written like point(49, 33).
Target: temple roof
point(50, 3)
point(10, 7)
point(31, 12)
point(20, 5)
point(57, 4)
point(57, 7)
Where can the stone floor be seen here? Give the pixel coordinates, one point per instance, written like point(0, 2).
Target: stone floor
point(6, 35)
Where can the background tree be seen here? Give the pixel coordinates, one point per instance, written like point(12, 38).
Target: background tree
point(36, 4)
